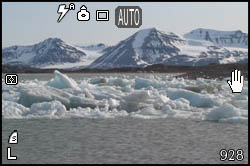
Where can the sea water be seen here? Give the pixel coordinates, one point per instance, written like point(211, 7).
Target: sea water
point(123, 118)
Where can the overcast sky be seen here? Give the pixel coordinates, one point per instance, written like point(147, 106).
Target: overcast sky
point(28, 23)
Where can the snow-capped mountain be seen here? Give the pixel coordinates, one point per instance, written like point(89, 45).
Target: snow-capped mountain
point(151, 46)
point(145, 47)
point(48, 52)
point(220, 38)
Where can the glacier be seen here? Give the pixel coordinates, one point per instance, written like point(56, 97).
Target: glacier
point(147, 96)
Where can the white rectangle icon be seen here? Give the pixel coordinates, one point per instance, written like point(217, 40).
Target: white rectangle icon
point(98, 18)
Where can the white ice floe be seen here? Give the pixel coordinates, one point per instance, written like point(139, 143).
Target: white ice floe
point(47, 109)
point(62, 81)
point(195, 99)
point(223, 112)
point(118, 95)
point(13, 110)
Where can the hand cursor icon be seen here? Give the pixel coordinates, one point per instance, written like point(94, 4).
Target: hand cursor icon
point(236, 83)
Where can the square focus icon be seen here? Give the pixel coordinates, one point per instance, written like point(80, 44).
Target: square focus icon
point(11, 79)
point(102, 15)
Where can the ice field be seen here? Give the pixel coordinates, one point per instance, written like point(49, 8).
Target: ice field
point(144, 96)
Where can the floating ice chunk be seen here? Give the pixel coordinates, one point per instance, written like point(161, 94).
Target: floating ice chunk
point(144, 83)
point(127, 89)
point(38, 94)
point(98, 80)
point(138, 96)
point(47, 109)
point(136, 100)
point(78, 101)
point(84, 84)
point(239, 103)
point(226, 78)
point(196, 89)
point(148, 111)
point(159, 101)
point(179, 104)
point(223, 112)
point(163, 98)
point(13, 110)
point(142, 96)
point(238, 119)
point(62, 81)
point(119, 82)
point(178, 108)
point(166, 109)
point(113, 103)
point(241, 97)
point(10, 96)
point(94, 113)
point(196, 99)
point(88, 94)
point(106, 92)
point(245, 107)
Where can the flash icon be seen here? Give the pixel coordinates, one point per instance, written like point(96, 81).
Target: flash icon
point(63, 10)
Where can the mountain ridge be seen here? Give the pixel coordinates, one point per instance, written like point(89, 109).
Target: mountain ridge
point(49, 51)
point(235, 38)
point(151, 46)
point(143, 48)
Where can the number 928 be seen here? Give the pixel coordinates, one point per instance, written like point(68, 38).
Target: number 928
point(231, 155)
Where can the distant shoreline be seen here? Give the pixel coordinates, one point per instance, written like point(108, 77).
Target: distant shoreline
point(213, 71)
